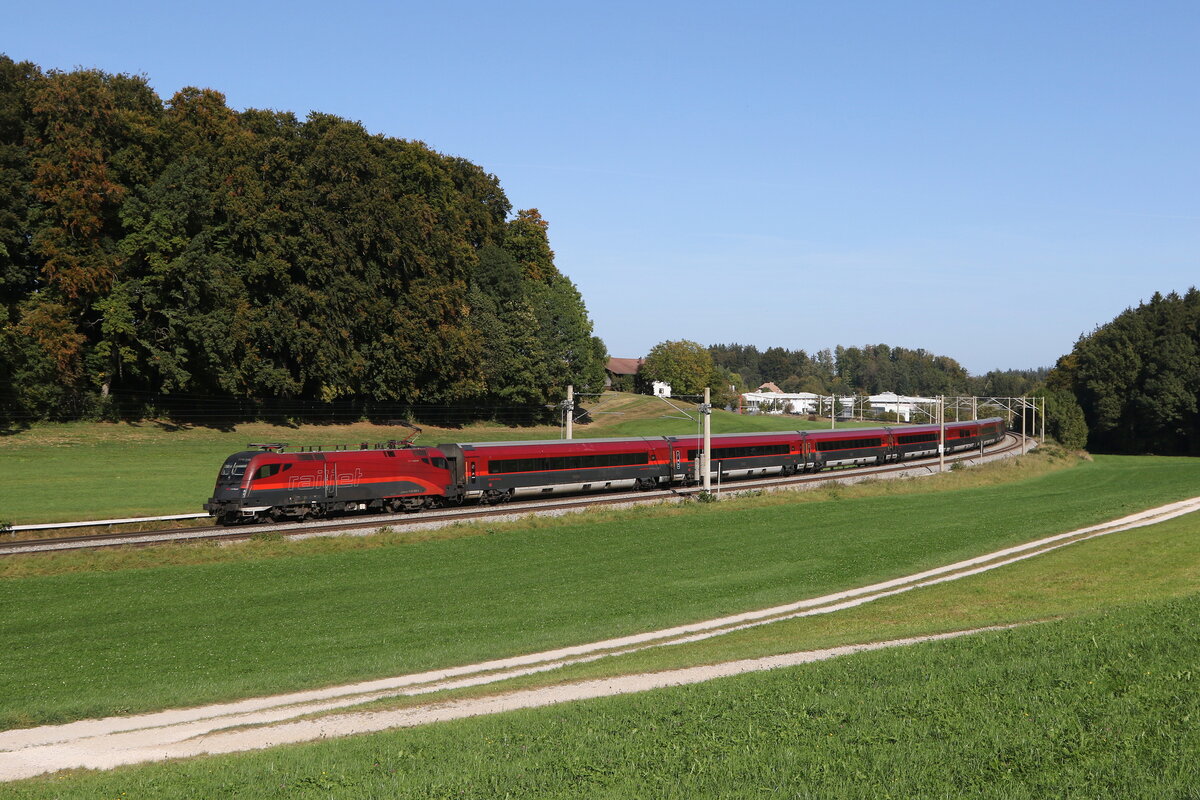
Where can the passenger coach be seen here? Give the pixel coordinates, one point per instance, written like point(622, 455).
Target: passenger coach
point(497, 470)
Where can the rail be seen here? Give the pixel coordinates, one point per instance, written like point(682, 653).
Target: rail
point(49, 526)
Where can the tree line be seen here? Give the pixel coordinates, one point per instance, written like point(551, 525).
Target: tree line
point(731, 369)
point(182, 247)
point(870, 369)
point(1137, 378)
point(1132, 385)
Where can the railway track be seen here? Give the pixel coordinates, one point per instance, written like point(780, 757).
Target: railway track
point(475, 513)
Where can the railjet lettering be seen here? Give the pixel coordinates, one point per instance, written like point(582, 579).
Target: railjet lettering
point(348, 478)
point(339, 479)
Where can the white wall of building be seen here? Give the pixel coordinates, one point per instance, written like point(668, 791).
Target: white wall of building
point(888, 403)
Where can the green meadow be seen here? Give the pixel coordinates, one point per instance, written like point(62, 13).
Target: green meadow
point(1097, 696)
point(93, 634)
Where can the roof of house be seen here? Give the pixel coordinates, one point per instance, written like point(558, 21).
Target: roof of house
point(624, 366)
point(759, 397)
point(892, 397)
point(770, 387)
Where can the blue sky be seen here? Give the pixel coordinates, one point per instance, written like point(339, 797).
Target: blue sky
point(983, 180)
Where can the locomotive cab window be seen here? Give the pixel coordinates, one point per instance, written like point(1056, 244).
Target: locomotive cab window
point(266, 471)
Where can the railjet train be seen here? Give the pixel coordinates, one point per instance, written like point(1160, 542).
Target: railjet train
point(256, 485)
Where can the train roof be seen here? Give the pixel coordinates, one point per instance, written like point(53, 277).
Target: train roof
point(544, 442)
point(690, 436)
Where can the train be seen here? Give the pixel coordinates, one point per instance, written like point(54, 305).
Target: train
point(271, 483)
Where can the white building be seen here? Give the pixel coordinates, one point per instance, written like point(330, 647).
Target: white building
point(891, 404)
point(888, 404)
point(661, 389)
point(781, 403)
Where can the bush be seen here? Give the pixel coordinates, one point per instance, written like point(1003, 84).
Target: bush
point(1064, 418)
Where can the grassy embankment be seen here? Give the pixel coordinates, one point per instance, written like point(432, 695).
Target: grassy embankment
point(81, 471)
point(282, 615)
point(1102, 704)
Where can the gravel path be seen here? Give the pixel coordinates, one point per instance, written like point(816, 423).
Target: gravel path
point(268, 721)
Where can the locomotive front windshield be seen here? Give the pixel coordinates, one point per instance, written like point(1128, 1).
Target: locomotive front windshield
point(233, 469)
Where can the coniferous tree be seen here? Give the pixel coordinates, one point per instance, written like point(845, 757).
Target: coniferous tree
point(1137, 378)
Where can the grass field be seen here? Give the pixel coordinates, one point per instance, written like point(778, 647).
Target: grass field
point(83, 471)
point(312, 613)
point(1102, 704)
point(1161, 561)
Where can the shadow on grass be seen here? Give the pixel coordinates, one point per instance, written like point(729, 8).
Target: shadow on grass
point(175, 424)
point(12, 428)
point(171, 426)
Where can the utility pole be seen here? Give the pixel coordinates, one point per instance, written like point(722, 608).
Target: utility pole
point(569, 410)
point(706, 410)
point(1023, 415)
point(1043, 420)
point(942, 439)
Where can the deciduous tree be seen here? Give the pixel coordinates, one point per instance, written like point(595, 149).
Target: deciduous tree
point(684, 364)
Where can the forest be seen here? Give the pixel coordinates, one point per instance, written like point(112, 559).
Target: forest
point(1137, 378)
point(870, 369)
point(182, 252)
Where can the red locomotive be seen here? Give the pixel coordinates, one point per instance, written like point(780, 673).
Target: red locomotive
point(269, 483)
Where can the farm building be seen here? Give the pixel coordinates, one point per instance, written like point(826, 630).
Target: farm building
point(621, 373)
